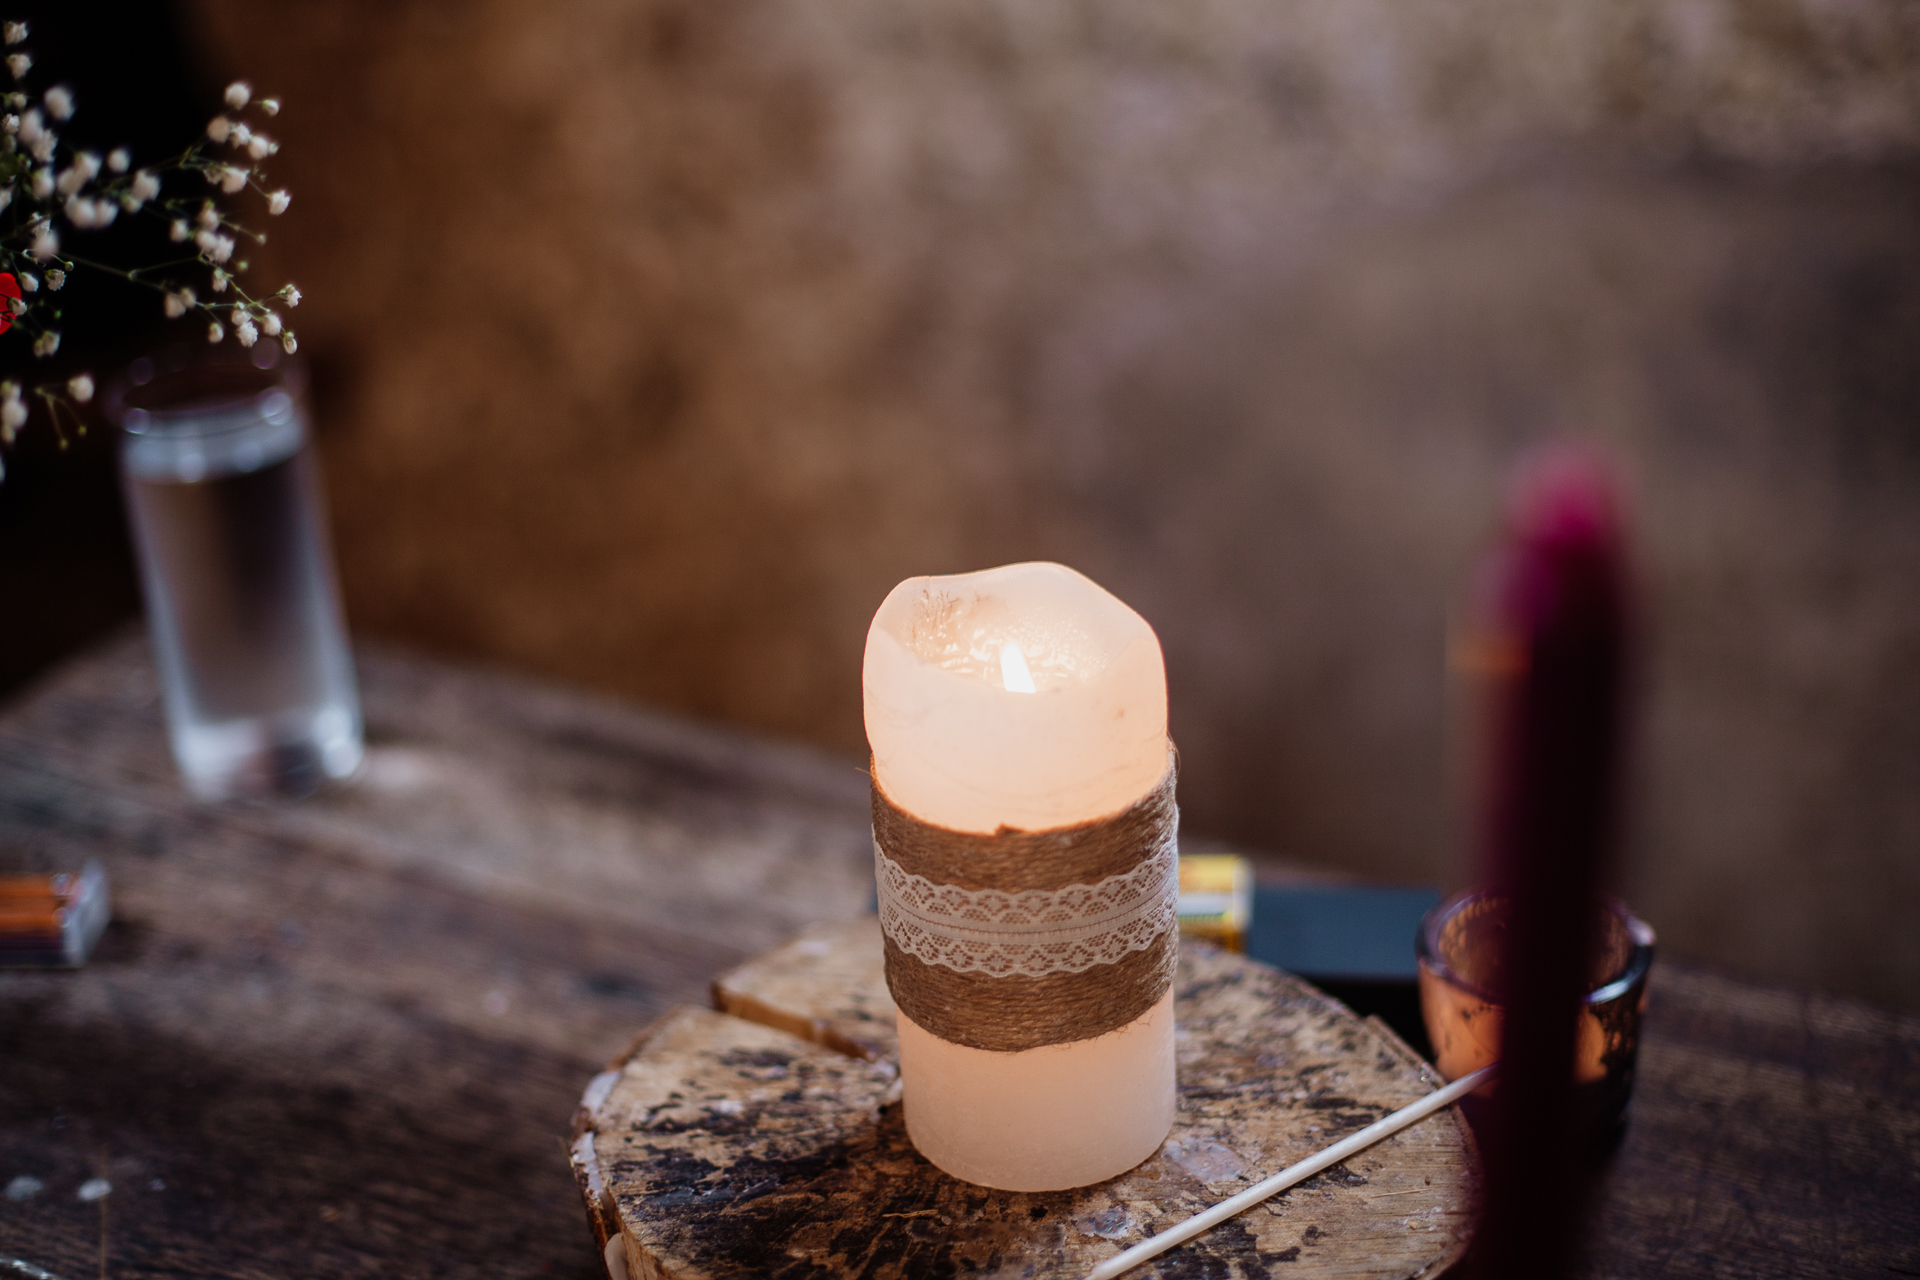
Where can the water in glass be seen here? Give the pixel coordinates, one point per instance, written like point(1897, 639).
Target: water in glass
point(254, 666)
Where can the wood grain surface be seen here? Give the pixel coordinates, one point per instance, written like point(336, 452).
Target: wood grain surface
point(347, 1037)
point(732, 1149)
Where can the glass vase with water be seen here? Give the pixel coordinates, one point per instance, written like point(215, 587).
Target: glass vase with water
point(224, 504)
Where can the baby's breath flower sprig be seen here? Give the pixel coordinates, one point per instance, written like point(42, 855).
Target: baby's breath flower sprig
point(50, 192)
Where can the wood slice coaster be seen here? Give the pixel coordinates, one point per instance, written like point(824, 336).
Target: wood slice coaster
point(766, 1140)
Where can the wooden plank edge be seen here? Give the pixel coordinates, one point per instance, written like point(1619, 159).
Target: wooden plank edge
point(814, 1030)
point(601, 1215)
point(1402, 1050)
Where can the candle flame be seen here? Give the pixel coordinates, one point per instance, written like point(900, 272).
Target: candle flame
point(1014, 676)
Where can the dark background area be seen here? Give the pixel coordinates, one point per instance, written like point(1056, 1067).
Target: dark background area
point(66, 569)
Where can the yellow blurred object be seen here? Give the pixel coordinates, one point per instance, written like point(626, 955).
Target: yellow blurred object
point(1216, 899)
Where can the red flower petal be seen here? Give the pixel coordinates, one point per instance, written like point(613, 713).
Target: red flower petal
point(9, 288)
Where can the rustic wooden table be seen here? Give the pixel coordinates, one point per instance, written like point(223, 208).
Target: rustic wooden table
point(346, 1037)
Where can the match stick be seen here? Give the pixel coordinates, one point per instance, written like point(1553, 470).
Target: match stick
point(1202, 1221)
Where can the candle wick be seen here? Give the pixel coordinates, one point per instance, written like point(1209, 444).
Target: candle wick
point(1014, 676)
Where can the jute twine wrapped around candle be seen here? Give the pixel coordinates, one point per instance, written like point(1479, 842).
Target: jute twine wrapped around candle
point(1020, 939)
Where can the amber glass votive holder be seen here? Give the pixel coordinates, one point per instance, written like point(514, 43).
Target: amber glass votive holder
point(1460, 946)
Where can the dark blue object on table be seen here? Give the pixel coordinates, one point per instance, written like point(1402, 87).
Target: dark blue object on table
point(1339, 931)
point(1354, 942)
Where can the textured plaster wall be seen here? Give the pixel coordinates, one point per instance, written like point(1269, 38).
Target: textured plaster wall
point(657, 340)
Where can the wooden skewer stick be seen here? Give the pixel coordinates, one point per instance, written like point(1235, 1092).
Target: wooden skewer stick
point(1208, 1218)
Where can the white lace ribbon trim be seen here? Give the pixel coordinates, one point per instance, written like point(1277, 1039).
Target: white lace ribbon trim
point(1034, 933)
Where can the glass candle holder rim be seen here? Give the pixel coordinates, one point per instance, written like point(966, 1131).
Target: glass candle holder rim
point(1640, 940)
point(277, 381)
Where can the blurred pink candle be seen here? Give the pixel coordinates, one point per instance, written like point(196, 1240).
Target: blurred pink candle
point(1023, 697)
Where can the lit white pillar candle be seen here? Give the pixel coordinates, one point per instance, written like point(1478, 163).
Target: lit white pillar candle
point(1023, 697)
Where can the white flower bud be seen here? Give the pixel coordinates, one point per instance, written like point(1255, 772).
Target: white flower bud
point(88, 162)
point(289, 344)
point(46, 242)
point(146, 184)
point(238, 93)
point(31, 126)
point(55, 279)
point(9, 123)
point(174, 305)
point(80, 387)
point(246, 333)
point(215, 332)
point(293, 296)
point(232, 180)
point(41, 184)
point(217, 248)
point(179, 230)
point(16, 32)
point(13, 416)
point(59, 100)
point(79, 212)
point(18, 306)
point(277, 202)
point(270, 105)
point(28, 283)
point(42, 148)
point(104, 212)
point(19, 64)
point(220, 279)
point(71, 179)
point(119, 159)
point(270, 323)
point(46, 344)
point(209, 217)
point(261, 146)
point(218, 128)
